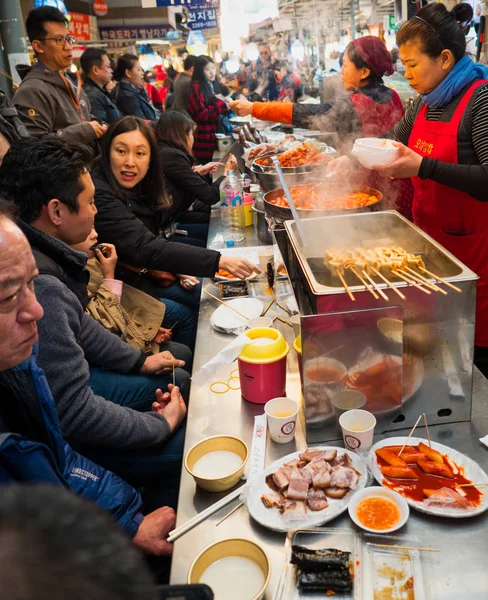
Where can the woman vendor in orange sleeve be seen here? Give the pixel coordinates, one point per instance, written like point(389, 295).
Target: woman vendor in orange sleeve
point(369, 110)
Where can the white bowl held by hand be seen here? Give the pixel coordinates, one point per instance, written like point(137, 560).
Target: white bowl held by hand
point(372, 152)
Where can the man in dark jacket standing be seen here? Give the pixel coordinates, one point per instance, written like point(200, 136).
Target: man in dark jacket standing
point(50, 99)
point(32, 447)
point(113, 411)
point(97, 70)
point(182, 84)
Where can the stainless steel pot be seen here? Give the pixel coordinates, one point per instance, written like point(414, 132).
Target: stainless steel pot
point(264, 234)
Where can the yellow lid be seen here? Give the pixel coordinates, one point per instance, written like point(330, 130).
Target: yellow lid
point(297, 344)
point(264, 353)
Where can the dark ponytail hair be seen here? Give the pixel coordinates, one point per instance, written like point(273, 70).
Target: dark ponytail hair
point(124, 63)
point(435, 29)
point(199, 76)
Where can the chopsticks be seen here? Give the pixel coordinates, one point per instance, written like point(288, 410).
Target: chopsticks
point(197, 519)
point(268, 307)
point(403, 547)
point(225, 304)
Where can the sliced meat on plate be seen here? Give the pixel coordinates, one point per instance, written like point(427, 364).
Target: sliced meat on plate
point(271, 483)
point(343, 459)
point(335, 492)
point(320, 479)
point(281, 479)
point(311, 454)
point(343, 477)
point(293, 510)
point(298, 487)
point(317, 500)
point(272, 500)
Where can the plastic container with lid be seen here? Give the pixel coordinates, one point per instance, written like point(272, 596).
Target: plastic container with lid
point(262, 366)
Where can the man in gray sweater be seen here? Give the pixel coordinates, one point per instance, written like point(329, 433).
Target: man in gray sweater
point(49, 182)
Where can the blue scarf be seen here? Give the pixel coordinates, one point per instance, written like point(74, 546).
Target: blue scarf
point(463, 73)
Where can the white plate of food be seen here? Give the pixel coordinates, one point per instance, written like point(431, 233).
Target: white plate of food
point(223, 275)
point(306, 488)
point(225, 320)
point(426, 487)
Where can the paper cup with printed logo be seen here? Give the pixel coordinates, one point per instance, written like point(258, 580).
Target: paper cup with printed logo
point(281, 414)
point(357, 429)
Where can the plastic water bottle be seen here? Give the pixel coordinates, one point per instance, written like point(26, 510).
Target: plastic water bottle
point(232, 209)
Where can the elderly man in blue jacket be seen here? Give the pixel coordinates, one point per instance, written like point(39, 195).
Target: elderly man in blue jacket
point(32, 448)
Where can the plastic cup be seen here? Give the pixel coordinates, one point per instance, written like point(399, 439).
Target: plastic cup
point(260, 322)
point(281, 414)
point(357, 429)
point(295, 322)
point(264, 257)
point(347, 400)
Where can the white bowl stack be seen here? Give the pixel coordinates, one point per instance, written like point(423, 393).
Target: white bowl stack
point(372, 152)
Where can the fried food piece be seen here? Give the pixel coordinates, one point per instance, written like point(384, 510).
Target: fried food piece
point(405, 472)
point(391, 458)
point(434, 468)
point(413, 457)
point(431, 453)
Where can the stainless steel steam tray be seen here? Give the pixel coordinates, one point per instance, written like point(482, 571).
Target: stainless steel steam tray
point(368, 230)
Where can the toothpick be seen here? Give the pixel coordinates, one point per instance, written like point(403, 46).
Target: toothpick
point(174, 380)
point(427, 430)
point(229, 513)
point(174, 325)
point(410, 435)
point(472, 484)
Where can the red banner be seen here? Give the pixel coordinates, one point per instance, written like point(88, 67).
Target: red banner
point(79, 26)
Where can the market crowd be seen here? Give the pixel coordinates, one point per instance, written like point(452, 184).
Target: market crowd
point(106, 186)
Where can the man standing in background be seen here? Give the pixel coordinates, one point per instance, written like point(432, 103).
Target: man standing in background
point(50, 99)
point(182, 84)
point(97, 70)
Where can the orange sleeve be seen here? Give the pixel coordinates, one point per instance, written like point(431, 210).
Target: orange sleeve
point(280, 112)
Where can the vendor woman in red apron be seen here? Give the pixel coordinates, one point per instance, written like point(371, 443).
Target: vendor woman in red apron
point(444, 146)
point(369, 110)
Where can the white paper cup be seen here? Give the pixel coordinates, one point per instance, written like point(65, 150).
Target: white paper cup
point(357, 429)
point(259, 322)
point(264, 257)
point(295, 322)
point(347, 400)
point(281, 414)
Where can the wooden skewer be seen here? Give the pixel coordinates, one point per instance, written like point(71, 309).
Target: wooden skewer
point(283, 308)
point(282, 320)
point(422, 281)
point(374, 284)
point(410, 435)
point(225, 304)
point(427, 430)
point(174, 325)
point(365, 283)
point(230, 513)
point(453, 287)
point(268, 307)
point(346, 287)
point(404, 547)
point(174, 379)
point(472, 484)
point(389, 283)
point(421, 277)
point(411, 282)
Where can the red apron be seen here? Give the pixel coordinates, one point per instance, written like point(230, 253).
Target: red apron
point(453, 218)
point(376, 120)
